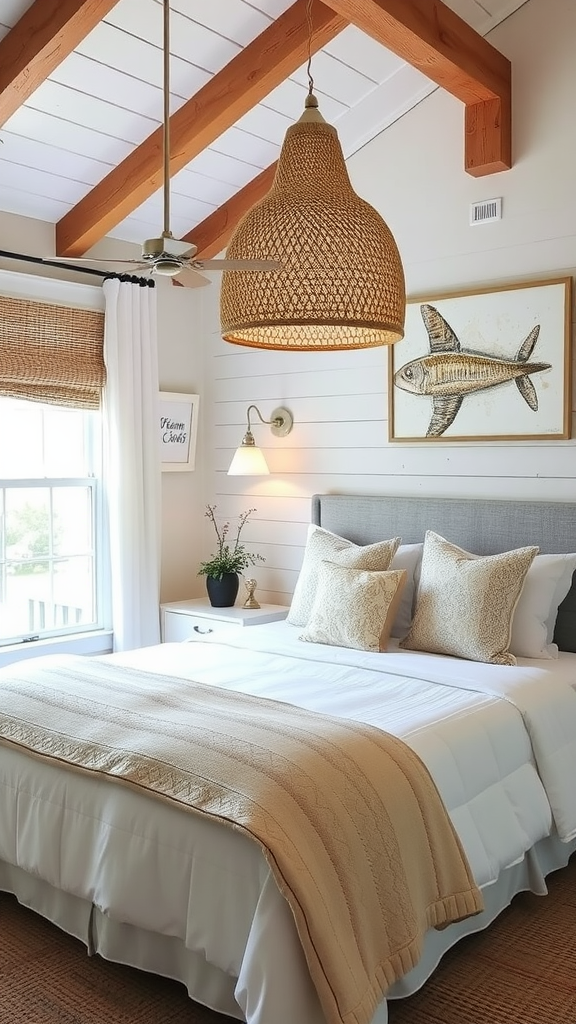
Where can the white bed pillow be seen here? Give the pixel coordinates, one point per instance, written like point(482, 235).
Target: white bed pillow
point(408, 557)
point(321, 546)
point(354, 607)
point(547, 582)
point(561, 591)
point(465, 603)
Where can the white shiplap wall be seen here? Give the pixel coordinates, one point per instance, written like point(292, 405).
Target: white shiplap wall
point(413, 174)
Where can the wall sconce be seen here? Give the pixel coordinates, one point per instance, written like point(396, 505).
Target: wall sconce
point(248, 458)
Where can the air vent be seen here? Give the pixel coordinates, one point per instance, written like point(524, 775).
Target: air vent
point(487, 210)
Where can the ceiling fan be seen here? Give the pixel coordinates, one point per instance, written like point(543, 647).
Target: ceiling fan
point(169, 256)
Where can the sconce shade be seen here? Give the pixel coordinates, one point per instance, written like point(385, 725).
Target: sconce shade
point(341, 283)
point(248, 460)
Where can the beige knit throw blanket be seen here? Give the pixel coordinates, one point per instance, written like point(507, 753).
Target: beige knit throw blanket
point(348, 817)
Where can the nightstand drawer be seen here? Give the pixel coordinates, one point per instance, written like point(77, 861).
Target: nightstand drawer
point(191, 627)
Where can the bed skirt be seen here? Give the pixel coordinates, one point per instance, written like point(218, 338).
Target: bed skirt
point(212, 987)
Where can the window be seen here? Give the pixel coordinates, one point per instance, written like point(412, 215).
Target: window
point(52, 538)
point(54, 562)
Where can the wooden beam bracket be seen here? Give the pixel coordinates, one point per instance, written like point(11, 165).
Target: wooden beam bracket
point(431, 37)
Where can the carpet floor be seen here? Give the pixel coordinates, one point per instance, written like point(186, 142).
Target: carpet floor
point(521, 971)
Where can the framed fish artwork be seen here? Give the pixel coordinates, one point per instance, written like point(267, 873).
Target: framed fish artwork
point(489, 365)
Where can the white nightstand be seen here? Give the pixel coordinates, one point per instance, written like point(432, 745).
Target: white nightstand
point(191, 620)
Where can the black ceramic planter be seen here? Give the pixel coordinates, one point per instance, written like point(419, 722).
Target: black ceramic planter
point(222, 592)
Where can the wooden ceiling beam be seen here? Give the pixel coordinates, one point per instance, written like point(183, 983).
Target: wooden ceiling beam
point(213, 234)
point(45, 34)
point(249, 77)
point(432, 38)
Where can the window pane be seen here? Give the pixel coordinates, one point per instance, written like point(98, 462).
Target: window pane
point(72, 517)
point(27, 596)
point(52, 597)
point(28, 527)
point(21, 422)
point(66, 441)
point(48, 440)
point(74, 592)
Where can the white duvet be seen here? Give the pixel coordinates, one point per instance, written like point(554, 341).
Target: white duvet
point(500, 743)
point(493, 737)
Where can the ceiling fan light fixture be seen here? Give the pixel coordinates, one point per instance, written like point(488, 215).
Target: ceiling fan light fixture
point(341, 281)
point(167, 266)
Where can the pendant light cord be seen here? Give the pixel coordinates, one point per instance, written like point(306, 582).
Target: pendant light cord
point(309, 64)
point(166, 117)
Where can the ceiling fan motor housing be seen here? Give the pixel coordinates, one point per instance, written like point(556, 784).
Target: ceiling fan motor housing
point(166, 246)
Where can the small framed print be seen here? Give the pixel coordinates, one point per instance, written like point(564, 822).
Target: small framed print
point(178, 428)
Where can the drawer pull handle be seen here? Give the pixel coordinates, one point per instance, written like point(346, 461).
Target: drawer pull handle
point(202, 631)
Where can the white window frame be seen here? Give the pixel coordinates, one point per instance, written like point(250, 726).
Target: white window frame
point(98, 639)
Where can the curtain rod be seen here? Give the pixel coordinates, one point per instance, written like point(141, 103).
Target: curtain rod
point(144, 281)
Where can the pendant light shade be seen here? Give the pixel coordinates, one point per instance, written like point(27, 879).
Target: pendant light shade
point(341, 283)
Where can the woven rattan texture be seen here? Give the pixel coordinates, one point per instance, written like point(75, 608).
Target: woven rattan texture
point(520, 971)
point(51, 353)
point(340, 264)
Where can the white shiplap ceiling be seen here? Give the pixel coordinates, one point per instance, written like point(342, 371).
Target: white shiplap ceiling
point(105, 99)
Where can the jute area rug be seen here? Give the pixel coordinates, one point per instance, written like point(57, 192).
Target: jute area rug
point(521, 971)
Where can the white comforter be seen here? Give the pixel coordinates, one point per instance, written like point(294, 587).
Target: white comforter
point(499, 742)
point(510, 732)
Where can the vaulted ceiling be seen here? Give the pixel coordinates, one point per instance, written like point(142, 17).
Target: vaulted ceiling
point(81, 101)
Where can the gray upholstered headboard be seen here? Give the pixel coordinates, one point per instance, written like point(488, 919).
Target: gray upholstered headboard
point(482, 526)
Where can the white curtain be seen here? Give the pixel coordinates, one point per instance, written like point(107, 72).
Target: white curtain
point(132, 461)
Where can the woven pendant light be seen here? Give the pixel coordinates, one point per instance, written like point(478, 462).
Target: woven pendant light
point(341, 284)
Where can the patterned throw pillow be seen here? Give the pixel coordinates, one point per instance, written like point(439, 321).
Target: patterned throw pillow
point(465, 603)
point(354, 607)
point(322, 545)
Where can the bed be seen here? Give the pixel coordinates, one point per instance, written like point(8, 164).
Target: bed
point(143, 882)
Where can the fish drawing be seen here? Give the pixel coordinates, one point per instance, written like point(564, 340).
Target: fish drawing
point(450, 372)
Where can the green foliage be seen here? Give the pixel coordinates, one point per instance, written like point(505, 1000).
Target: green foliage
point(29, 533)
point(230, 557)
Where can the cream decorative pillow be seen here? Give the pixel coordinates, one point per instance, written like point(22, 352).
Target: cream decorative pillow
point(354, 607)
point(465, 603)
point(322, 545)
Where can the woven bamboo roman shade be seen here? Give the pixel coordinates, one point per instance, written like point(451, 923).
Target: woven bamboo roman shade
point(51, 353)
point(341, 281)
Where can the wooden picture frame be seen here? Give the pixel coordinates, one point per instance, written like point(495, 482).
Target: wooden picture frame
point(178, 429)
point(456, 374)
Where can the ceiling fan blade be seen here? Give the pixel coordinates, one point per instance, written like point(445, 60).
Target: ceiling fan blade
point(189, 277)
point(88, 259)
point(237, 264)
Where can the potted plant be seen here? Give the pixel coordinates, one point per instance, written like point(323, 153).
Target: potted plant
point(223, 568)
